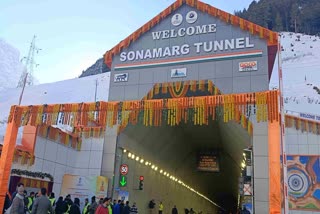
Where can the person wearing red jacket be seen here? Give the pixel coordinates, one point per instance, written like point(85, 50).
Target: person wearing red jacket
point(103, 208)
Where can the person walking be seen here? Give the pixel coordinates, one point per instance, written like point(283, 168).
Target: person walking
point(42, 204)
point(86, 206)
point(160, 207)
point(17, 206)
point(30, 201)
point(103, 208)
point(116, 208)
point(109, 206)
point(174, 210)
point(67, 203)
point(15, 192)
point(60, 208)
point(126, 208)
point(75, 207)
point(151, 206)
point(52, 199)
point(93, 206)
point(134, 209)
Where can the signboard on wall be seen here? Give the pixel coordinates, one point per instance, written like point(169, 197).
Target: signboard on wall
point(121, 77)
point(84, 187)
point(248, 66)
point(178, 72)
point(123, 195)
point(310, 116)
point(208, 162)
point(159, 52)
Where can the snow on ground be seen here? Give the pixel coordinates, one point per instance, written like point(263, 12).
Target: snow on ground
point(301, 72)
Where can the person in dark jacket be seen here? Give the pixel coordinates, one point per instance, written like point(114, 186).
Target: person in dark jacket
point(42, 204)
point(7, 203)
point(67, 203)
point(121, 207)
point(75, 208)
point(126, 208)
point(60, 208)
point(174, 210)
point(93, 206)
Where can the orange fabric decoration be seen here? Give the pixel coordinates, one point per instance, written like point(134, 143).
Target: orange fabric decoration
point(274, 168)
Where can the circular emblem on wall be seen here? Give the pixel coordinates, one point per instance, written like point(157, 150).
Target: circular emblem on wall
point(298, 182)
point(176, 19)
point(191, 17)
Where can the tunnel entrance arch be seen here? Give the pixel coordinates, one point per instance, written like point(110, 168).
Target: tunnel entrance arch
point(174, 146)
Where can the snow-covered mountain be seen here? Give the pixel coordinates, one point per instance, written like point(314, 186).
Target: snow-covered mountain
point(10, 66)
point(301, 72)
point(301, 78)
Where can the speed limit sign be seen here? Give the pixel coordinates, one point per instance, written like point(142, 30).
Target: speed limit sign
point(124, 169)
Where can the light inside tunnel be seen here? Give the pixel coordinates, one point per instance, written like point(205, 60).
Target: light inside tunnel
point(243, 165)
point(155, 168)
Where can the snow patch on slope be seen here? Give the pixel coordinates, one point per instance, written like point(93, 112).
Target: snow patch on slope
point(10, 66)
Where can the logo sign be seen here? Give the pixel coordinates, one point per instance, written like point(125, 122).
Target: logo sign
point(248, 66)
point(123, 181)
point(124, 169)
point(178, 72)
point(176, 19)
point(191, 17)
point(121, 77)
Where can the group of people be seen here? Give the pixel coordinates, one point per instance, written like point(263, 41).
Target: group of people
point(106, 206)
point(35, 203)
point(40, 203)
point(174, 210)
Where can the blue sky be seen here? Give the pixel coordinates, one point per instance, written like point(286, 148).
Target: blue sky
point(73, 34)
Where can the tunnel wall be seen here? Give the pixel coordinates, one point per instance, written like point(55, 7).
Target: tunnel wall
point(160, 188)
point(303, 161)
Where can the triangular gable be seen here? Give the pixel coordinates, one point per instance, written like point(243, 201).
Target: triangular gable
point(270, 36)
